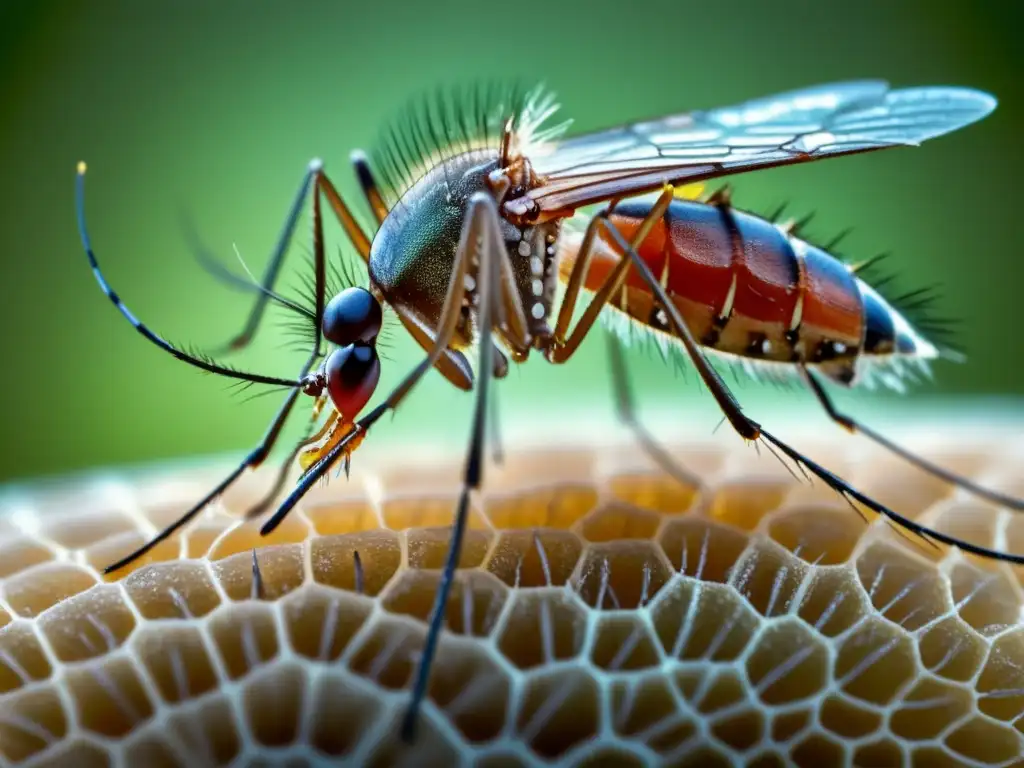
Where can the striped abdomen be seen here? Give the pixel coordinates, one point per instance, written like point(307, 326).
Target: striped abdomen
point(746, 288)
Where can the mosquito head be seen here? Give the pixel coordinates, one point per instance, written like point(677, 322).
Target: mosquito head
point(352, 320)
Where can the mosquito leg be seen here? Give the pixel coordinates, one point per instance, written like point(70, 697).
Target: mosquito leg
point(562, 349)
point(369, 186)
point(254, 459)
point(329, 424)
point(747, 428)
point(452, 364)
point(945, 475)
point(489, 266)
point(579, 271)
point(259, 454)
point(198, 361)
point(345, 218)
point(277, 256)
point(320, 183)
point(263, 504)
point(627, 414)
point(751, 430)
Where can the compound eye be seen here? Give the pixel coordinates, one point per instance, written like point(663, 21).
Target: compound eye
point(352, 375)
point(352, 316)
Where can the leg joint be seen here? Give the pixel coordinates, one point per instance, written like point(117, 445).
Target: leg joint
point(747, 428)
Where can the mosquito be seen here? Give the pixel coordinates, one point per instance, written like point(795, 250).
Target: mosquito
point(479, 203)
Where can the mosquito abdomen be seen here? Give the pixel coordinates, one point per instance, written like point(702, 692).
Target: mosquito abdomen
point(748, 288)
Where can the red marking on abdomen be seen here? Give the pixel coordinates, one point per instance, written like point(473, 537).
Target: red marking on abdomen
point(705, 249)
point(833, 308)
point(697, 278)
point(768, 276)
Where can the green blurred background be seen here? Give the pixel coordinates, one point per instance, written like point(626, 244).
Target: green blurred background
point(217, 107)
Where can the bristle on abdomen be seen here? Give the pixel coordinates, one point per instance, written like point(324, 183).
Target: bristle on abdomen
point(890, 342)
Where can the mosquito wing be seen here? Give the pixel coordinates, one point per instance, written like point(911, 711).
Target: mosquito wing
point(799, 126)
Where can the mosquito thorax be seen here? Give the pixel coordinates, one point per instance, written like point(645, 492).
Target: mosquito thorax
point(413, 253)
